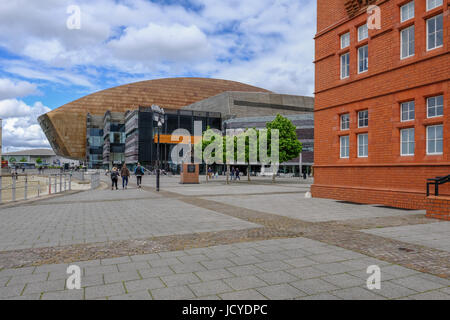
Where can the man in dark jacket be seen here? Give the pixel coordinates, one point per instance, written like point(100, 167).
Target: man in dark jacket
point(139, 172)
point(124, 173)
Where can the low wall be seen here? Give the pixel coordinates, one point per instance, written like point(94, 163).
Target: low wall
point(438, 207)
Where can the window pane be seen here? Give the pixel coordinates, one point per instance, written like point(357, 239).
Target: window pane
point(431, 133)
point(439, 132)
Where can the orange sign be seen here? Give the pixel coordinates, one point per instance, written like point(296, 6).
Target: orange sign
point(169, 139)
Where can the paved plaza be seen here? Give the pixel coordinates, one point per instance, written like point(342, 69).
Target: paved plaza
point(253, 240)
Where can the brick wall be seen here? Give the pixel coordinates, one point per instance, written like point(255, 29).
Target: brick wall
point(384, 176)
point(438, 208)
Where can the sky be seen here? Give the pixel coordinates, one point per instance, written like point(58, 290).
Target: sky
point(47, 59)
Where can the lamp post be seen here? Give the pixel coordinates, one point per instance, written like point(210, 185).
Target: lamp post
point(158, 116)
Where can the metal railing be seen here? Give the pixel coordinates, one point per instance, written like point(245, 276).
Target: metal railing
point(17, 187)
point(436, 181)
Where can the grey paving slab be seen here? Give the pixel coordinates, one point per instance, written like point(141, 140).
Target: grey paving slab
point(356, 293)
point(306, 272)
point(245, 282)
point(280, 292)
point(63, 295)
point(141, 295)
point(121, 276)
point(313, 210)
point(434, 235)
point(393, 290)
point(276, 277)
point(210, 288)
point(11, 291)
point(243, 295)
point(176, 280)
point(419, 284)
point(54, 222)
point(40, 287)
point(313, 286)
point(145, 284)
point(107, 290)
point(172, 293)
point(215, 274)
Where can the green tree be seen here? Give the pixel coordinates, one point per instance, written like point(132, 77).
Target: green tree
point(12, 160)
point(23, 159)
point(39, 161)
point(289, 146)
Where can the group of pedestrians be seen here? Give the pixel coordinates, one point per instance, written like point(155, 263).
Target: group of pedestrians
point(125, 174)
point(235, 174)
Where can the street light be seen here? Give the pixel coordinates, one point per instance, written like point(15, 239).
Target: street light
point(158, 116)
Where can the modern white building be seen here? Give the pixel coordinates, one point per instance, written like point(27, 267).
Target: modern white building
point(47, 156)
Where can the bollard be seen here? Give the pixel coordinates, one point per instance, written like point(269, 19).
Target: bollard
point(49, 184)
point(13, 189)
point(39, 188)
point(65, 182)
point(56, 185)
point(25, 188)
point(70, 182)
point(60, 183)
point(0, 188)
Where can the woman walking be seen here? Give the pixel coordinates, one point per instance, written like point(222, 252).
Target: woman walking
point(125, 174)
point(114, 178)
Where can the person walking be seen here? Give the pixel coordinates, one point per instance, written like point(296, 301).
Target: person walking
point(236, 173)
point(139, 172)
point(114, 178)
point(124, 173)
point(232, 173)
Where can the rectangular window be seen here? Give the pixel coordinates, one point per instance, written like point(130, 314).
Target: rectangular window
point(407, 11)
point(363, 59)
point(345, 121)
point(363, 32)
point(407, 111)
point(345, 40)
point(435, 106)
point(435, 139)
point(407, 142)
point(435, 32)
point(407, 42)
point(345, 65)
point(345, 146)
point(431, 4)
point(363, 119)
point(363, 145)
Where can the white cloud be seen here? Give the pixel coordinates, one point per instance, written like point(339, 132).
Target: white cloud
point(20, 127)
point(263, 42)
point(11, 89)
point(161, 43)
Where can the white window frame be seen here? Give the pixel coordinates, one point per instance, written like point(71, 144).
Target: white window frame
point(408, 142)
point(365, 58)
point(408, 105)
point(363, 144)
point(363, 32)
point(435, 32)
point(410, 10)
point(435, 143)
point(435, 106)
point(344, 147)
point(345, 40)
point(436, 3)
point(408, 30)
point(347, 65)
point(359, 118)
point(342, 122)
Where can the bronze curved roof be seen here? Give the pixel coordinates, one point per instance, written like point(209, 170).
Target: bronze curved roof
point(65, 127)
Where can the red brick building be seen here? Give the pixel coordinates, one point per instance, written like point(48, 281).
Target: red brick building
point(382, 108)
